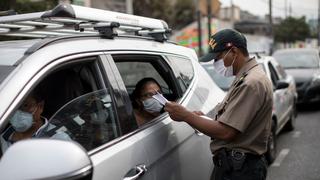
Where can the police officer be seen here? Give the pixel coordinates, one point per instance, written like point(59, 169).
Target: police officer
point(242, 121)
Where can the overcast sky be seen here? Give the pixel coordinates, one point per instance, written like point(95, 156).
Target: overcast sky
point(308, 8)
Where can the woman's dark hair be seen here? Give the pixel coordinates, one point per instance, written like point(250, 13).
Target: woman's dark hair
point(137, 90)
point(38, 93)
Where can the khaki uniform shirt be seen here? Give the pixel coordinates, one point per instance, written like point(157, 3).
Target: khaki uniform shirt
point(247, 108)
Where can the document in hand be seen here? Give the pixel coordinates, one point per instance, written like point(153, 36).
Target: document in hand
point(159, 97)
point(206, 117)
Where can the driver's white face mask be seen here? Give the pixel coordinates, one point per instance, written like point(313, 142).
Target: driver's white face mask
point(221, 69)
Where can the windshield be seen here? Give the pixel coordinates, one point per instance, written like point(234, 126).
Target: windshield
point(12, 51)
point(5, 71)
point(298, 59)
point(223, 82)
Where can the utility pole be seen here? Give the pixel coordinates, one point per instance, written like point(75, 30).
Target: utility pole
point(199, 28)
point(271, 24)
point(209, 18)
point(232, 13)
point(270, 15)
point(318, 23)
point(129, 7)
point(285, 9)
point(290, 10)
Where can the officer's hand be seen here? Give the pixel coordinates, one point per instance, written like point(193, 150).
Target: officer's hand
point(176, 111)
point(199, 113)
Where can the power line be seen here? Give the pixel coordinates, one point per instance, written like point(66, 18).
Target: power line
point(284, 8)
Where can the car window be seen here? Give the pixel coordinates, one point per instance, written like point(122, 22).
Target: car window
point(274, 76)
point(12, 51)
point(88, 119)
point(132, 72)
point(183, 70)
point(297, 59)
point(281, 72)
point(74, 105)
point(5, 71)
point(136, 71)
point(222, 81)
point(133, 68)
point(69, 82)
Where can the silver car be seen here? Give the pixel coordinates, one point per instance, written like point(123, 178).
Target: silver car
point(88, 80)
point(284, 97)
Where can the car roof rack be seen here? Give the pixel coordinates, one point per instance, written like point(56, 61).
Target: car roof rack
point(67, 19)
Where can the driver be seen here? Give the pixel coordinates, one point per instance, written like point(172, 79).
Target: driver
point(27, 122)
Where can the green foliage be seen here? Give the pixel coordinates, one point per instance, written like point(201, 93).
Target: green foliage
point(154, 9)
point(292, 29)
point(177, 14)
point(27, 6)
point(184, 13)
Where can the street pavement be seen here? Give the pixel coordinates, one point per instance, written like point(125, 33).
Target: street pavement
point(299, 151)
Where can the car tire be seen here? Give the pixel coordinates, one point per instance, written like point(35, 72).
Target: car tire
point(292, 121)
point(272, 144)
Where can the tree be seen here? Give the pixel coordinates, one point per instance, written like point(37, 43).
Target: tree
point(27, 6)
point(184, 14)
point(177, 13)
point(154, 9)
point(291, 30)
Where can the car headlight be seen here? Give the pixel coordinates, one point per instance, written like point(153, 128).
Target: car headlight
point(316, 79)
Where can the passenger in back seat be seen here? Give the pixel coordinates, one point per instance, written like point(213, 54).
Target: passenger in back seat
point(145, 107)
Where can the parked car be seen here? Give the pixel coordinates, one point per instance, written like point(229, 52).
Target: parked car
point(89, 76)
point(304, 65)
point(284, 94)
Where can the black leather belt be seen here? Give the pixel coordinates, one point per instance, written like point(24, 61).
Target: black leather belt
point(238, 154)
point(233, 159)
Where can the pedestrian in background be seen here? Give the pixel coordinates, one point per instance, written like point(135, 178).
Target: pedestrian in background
point(242, 121)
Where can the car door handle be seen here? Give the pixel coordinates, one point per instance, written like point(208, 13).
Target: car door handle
point(135, 172)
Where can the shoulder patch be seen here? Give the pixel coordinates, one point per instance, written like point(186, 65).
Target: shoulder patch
point(241, 80)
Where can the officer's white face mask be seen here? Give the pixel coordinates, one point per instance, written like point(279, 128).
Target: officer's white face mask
point(221, 69)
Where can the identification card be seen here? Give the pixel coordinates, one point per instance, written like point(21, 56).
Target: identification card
point(159, 97)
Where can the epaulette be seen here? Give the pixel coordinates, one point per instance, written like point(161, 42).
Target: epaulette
point(241, 79)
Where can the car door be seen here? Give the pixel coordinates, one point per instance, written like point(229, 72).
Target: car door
point(88, 107)
point(289, 92)
point(280, 101)
point(174, 150)
point(125, 156)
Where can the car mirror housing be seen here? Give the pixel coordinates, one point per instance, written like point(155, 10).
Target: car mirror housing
point(282, 85)
point(45, 159)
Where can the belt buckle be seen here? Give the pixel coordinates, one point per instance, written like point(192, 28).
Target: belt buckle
point(237, 154)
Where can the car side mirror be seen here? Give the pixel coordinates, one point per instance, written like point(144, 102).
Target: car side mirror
point(282, 85)
point(45, 159)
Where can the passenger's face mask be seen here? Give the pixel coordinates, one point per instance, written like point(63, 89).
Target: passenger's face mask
point(21, 121)
point(152, 105)
point(221, 69)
